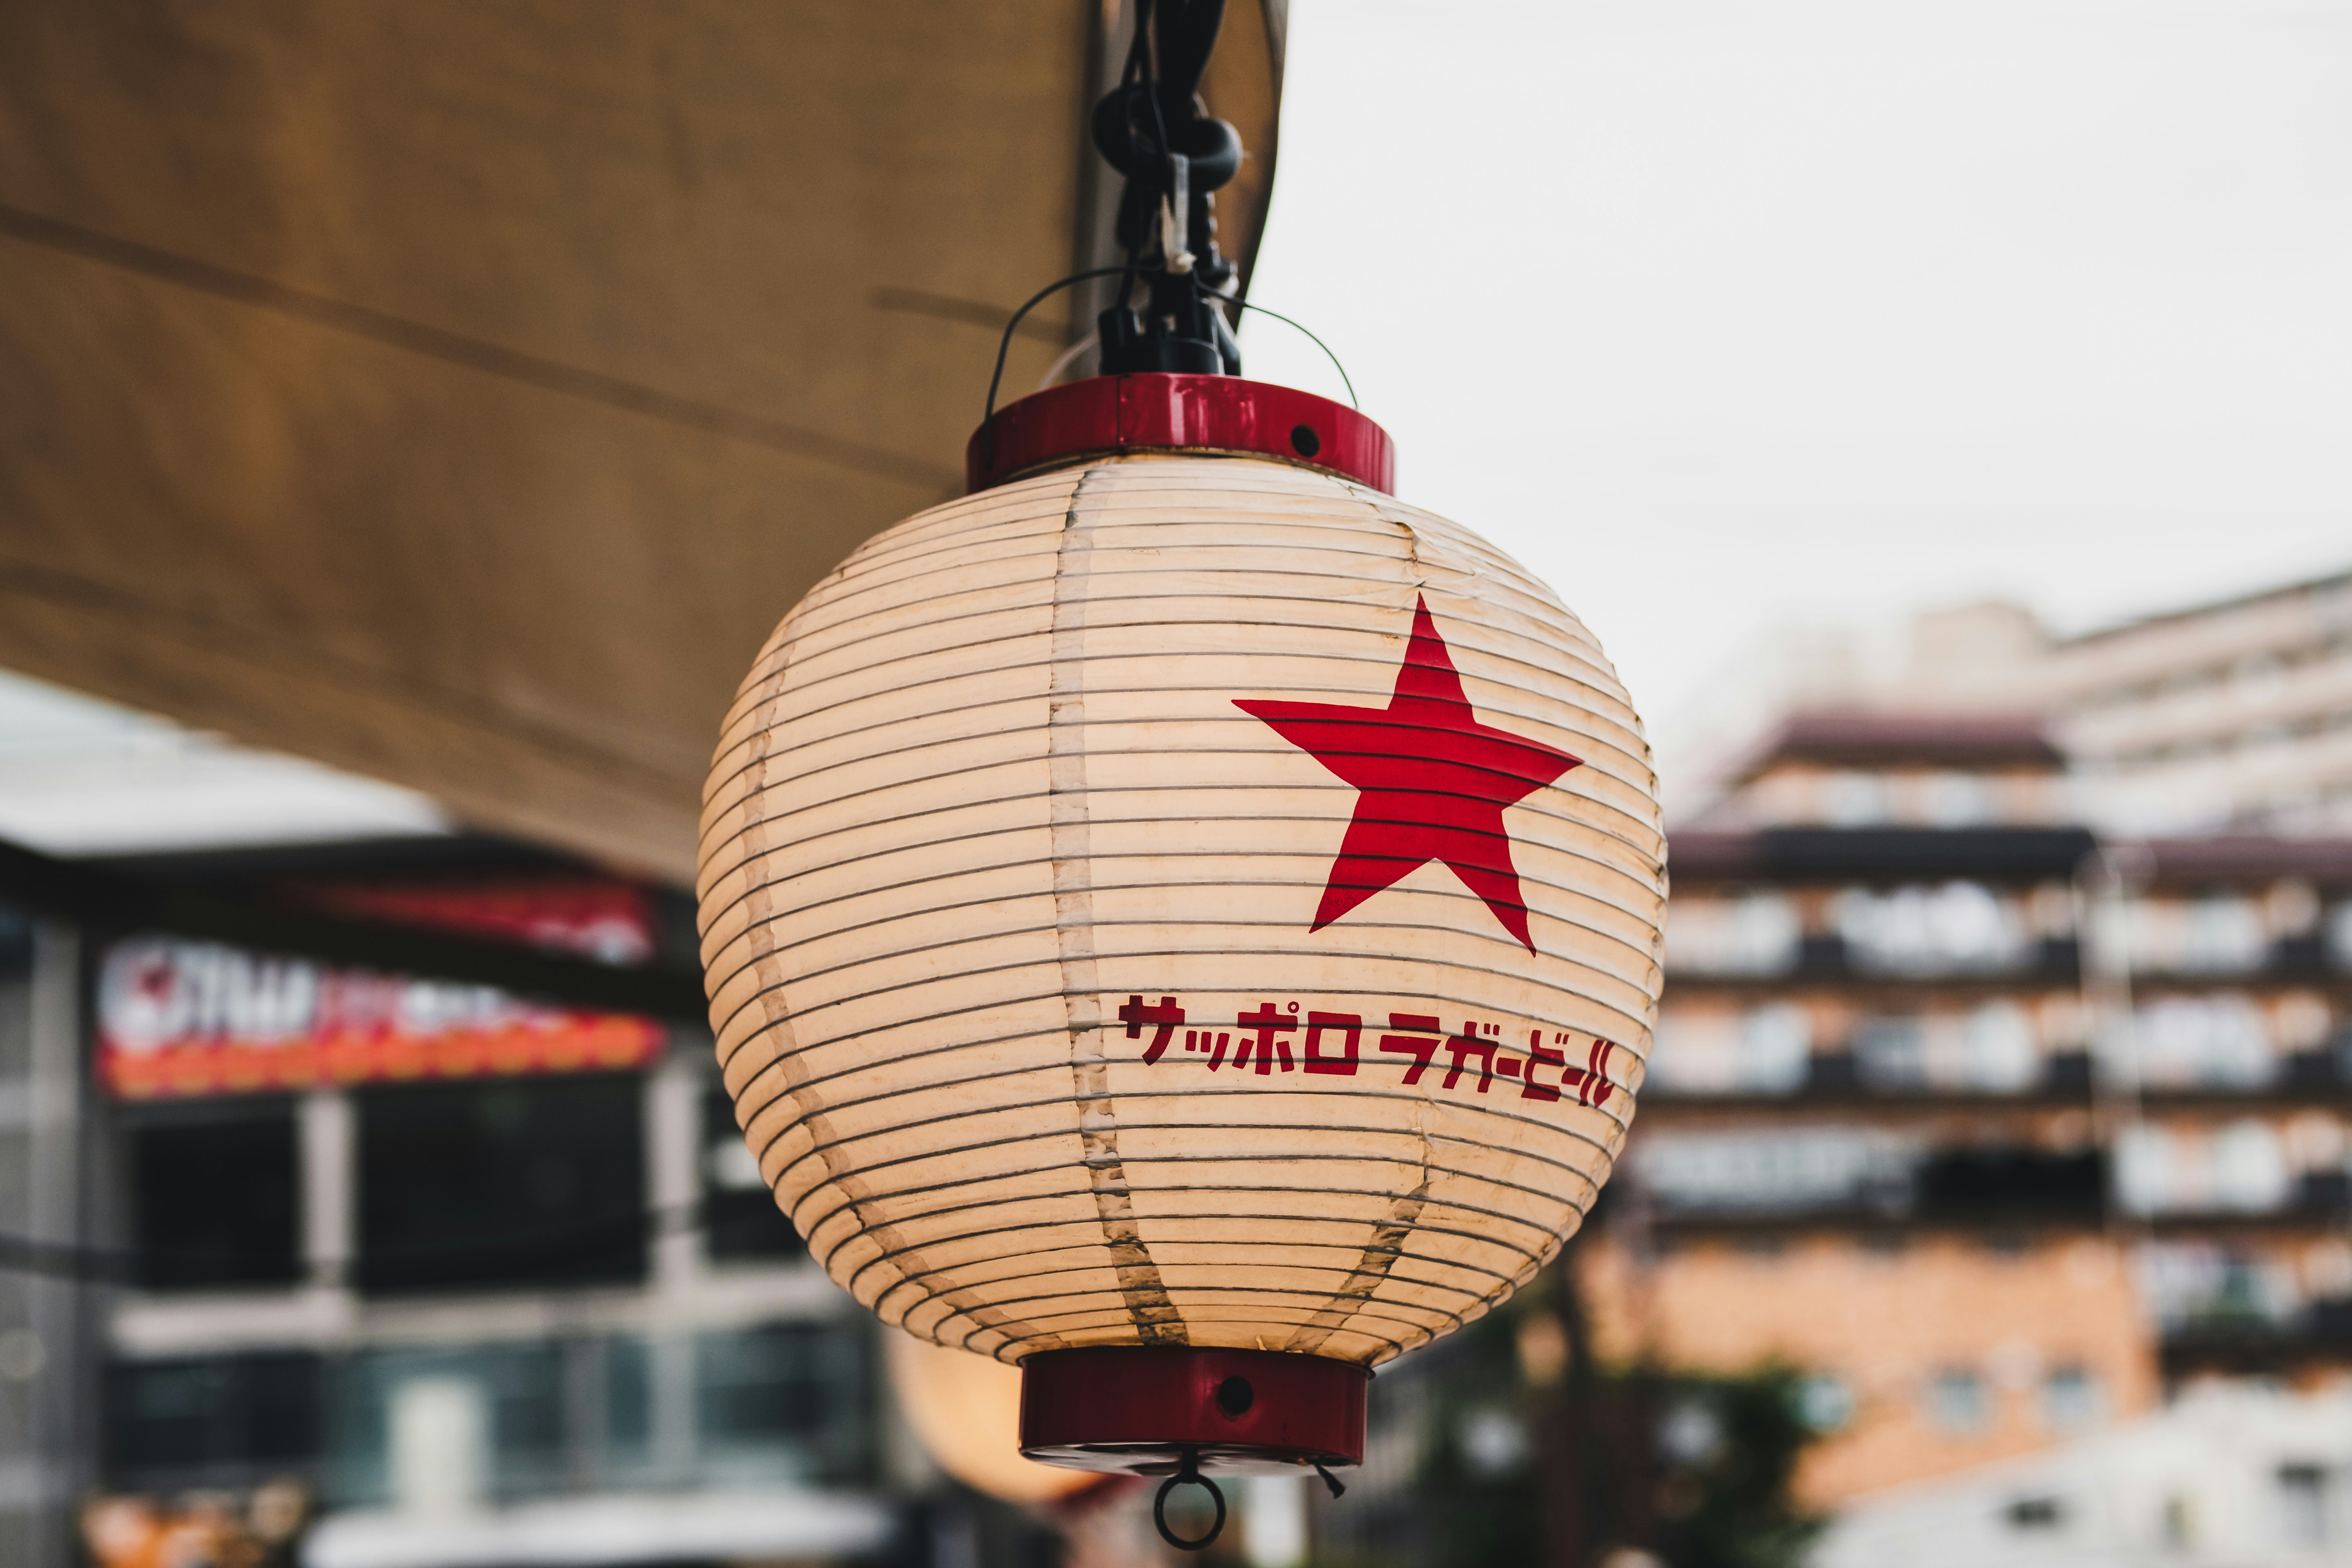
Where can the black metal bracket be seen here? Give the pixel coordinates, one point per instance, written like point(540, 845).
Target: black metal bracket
point(1153, 128)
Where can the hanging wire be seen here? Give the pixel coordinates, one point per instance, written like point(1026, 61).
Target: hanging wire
point(1005, 345)
point(1069, 357)
point(1241, 304)
point(1138, 74)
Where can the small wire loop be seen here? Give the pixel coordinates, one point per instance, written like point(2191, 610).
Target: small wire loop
point(988, 417)
point(1004, 344)
point(1241, 304)
point(1188, 1472)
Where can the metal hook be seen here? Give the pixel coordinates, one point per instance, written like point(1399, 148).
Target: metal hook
point(1188, 1470)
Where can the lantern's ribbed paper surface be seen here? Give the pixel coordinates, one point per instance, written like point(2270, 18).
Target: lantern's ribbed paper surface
point(1060, 993)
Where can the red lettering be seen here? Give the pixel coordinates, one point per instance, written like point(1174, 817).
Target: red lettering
point(1420, 1047)
point(1345, 1067)
point(1267, 1023)
point(1597, 1085)
point(1263, 1031)
point(1163, 1018)
point(1538, 1057)
point(1470, 1042)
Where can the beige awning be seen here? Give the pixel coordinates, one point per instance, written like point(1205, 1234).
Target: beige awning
point(458, 392)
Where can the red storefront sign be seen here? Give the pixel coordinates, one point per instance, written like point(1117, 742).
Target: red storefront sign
point(180, 1018)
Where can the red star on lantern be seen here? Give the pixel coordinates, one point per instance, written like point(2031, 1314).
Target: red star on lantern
point(1433, 782)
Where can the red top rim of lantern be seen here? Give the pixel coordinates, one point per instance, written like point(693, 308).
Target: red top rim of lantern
point(1220, 415)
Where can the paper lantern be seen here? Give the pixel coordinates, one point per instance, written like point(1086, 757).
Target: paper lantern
point(1182, 921)
point(965, 1410)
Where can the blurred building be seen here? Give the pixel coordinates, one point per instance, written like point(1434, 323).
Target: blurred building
point(457, 396)
point(2234, 716)
point(494, 1281)
point(459, 1276)
point(2229, 1475)
point(1988, 1130)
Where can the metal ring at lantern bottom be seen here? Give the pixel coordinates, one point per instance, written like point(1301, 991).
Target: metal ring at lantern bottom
point(1160, 1508)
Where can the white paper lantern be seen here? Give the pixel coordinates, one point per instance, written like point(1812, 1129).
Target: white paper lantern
point(1183, 901)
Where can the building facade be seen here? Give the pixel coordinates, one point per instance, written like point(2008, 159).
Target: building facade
point(1988, 1128)
point(2229, 717)
point(467, 1276)
point(310, 1252)
point(2229, 1474)
point(2232, 716)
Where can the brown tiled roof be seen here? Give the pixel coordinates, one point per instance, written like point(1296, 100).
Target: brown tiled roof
point(1863, 738)
point(2230, 857)
point(1711, 855)
point(1878, 854)
point(2000, 853)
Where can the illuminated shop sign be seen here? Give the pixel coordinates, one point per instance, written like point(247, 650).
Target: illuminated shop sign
point(178, 1018)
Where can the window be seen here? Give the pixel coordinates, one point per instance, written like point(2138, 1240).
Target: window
point(1957, 1401)
point(628, 1377)
point(1891, 1053)
point(2036, 1513)
point(2250, 1171)
point(785, 1402)
point(2339, 936)
point(1957, 800)
point(2302, 1505)
point(2224, 935)
point(1712, 1051)
point(1991, 1049)
point(508, 1185)
point(447, 1426)
point(214, 1191)
point(2219, 1041)
point(2240, 1169)
point(1957, 927)
point(1777, 1170)
point(1826, 1402)
point(741, 1220)
point(224, 1421)
point(1854, 800)
point(16, 946)
point(1695, 1051)
point(2070, 1399)
point(2188, 1284)
point(1756, 934)
point(2220, 933)
point(1775, 1047)
point(1998, 1052)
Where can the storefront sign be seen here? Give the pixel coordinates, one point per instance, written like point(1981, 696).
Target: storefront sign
point(181, 1018)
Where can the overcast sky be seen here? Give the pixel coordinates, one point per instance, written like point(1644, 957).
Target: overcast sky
point(1731, 314)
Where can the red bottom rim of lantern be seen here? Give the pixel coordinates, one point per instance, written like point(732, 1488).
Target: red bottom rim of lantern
point(1161, 1410)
